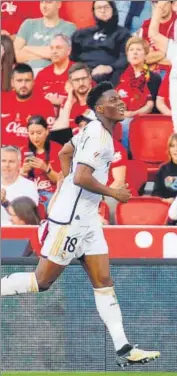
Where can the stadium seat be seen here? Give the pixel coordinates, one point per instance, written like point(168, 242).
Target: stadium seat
point(142, 211)
point(79, 12)
point(136, 175)
point(148, 140)
point(103, 210)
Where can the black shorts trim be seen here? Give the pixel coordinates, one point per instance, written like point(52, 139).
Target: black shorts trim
point(72, 214)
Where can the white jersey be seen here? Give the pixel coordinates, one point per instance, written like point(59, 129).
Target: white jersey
point(93, 147)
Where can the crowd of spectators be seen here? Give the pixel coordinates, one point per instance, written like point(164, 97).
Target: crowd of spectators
point(48, 66)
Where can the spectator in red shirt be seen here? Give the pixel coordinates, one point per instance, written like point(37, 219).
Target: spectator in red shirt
point(133, 86)
point(13, 13)
point(52, 79)
point(42, 163)
point(7, 62)
point(156, 58)
point(78, 87)
point(18, 105)
point(163, 97)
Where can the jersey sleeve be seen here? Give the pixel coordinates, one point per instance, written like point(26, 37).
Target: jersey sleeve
point(91, 152)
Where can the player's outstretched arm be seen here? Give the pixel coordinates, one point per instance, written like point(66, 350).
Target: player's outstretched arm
point(66, 156)
point(83, 178)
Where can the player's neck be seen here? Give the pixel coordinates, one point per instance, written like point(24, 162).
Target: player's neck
point(107, 124)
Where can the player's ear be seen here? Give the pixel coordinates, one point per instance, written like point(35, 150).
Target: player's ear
point(100, 109)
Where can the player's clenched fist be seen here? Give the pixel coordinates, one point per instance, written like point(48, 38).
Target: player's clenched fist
point(122, 194)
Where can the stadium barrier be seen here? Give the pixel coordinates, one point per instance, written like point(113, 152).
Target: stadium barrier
point(60, 329)
point(123, 241)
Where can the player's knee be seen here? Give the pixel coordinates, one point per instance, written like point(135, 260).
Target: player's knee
point(44, 284)
point(104, 281)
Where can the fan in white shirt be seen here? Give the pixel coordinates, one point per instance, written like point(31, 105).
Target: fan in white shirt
point(12, 184)
point(169, 47)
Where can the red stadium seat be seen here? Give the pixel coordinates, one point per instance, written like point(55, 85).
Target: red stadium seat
point(79, 12)
point(103, 210)
point(142, 211)
point(136, 174)
point(148, 140)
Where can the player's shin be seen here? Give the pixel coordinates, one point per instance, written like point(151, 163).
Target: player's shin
point(109, 311)
point(19, 283)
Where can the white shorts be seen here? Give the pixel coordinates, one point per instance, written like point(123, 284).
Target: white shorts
point(66, 242)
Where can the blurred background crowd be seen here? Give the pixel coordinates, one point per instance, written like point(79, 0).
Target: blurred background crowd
point(52, 54)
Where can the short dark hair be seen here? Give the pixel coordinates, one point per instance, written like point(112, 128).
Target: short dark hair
point(78, 66)
point(80, 118)
point(96, 92)
point(22, 68)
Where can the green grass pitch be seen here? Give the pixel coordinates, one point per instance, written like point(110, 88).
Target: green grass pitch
point(123, 373)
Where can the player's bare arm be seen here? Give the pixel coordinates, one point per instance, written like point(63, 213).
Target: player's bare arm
point(65, 156)
point(84, 178)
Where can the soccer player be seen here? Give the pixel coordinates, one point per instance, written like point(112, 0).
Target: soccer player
point(74, 226)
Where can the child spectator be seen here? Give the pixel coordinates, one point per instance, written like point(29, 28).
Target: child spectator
point(166, 178)
point(34, 36)
point(163, 97)
point(12, 184)
point(52, 79)
point(7, 62)
point(42, 165)
point(19, 104)
point(102, 47)
point(23, 211)
point(133, 87)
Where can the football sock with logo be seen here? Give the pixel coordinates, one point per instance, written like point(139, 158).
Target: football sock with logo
point(109, 311)
point(19, 283)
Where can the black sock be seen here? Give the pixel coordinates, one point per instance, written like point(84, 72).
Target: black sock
point(125, 349)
